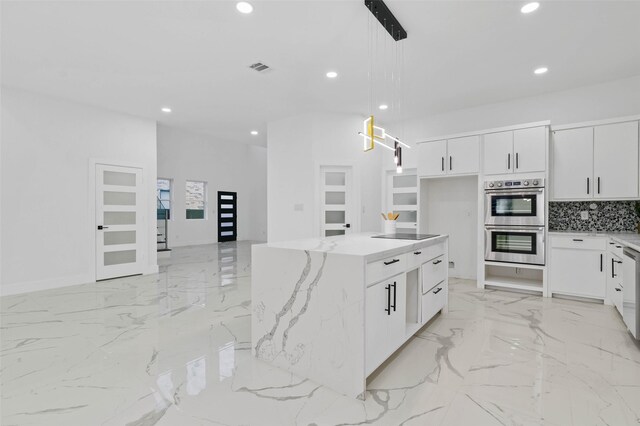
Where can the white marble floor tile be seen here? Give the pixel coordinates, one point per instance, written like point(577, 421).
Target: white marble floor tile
point(174, 349)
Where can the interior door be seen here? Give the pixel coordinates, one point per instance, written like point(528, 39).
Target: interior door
point(615, 168)
point(336, 201)
point(227, 216)
point(573, 164)
point(120, 231)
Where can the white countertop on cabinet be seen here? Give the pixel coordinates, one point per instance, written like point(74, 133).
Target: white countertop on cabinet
point(361, 244)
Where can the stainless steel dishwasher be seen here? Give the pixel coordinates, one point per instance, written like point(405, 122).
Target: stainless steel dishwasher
point(631, 291)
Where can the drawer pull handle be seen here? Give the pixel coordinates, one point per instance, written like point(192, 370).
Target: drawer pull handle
point(577, 239)
point(618, 289)
point(391, 262)
point(438, 290)
point(437, 262)
point(417, 252)
point(618, 246)
point(611, 244)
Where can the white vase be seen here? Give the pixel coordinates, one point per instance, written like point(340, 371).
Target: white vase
point(389, 226)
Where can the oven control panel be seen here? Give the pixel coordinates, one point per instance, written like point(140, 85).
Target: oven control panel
point(514, 184)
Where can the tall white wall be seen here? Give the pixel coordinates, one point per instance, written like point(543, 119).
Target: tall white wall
point(607, 100)
point(241, 168)
point(48, 206)
point(297, 147)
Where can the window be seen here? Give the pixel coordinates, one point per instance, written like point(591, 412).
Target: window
point(196, 200)
point(163, 201)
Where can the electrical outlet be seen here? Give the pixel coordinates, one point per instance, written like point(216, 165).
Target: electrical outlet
point(452, 264)
point(584, 215)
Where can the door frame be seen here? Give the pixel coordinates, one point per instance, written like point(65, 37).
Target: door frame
point(144, 206)
point(355, 190)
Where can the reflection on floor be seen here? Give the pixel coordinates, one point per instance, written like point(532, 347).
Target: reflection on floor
point(173, 349)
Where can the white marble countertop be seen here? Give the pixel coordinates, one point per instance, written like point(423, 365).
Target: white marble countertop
point(629, 239)
point(361, 244)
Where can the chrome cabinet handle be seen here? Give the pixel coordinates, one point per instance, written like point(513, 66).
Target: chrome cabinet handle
point(391, 262)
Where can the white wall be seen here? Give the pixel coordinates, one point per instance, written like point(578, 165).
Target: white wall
point(450, 206)
point(297, 147)
point(241, 168)
point(48, 206)
point(608, 100)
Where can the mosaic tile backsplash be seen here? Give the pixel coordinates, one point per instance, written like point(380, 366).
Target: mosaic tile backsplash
point(609, 216)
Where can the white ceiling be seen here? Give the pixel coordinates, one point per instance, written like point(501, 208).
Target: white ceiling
point(137, 56)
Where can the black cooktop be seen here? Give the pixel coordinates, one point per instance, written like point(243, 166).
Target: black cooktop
point(406, 236)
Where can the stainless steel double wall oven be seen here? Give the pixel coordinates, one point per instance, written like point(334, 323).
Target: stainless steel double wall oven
point(515, 221)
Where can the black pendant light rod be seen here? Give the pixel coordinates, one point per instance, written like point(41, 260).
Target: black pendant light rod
point(386, 18)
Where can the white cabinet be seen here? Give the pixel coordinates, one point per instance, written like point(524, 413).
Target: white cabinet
point(596, 162)
point(464, 155)
point(615, 166)
point(449, 157)
point(385, 320)
point(577, 266)
point(432, 157)
point(530, 149)
point(573, 163)
point(517, 151)
point(498, 153)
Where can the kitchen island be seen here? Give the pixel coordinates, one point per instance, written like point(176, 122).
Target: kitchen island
point(334, 309)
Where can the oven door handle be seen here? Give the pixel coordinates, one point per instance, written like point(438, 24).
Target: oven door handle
point(514, 228)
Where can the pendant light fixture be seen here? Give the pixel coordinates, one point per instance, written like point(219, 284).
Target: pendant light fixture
point(378, 70)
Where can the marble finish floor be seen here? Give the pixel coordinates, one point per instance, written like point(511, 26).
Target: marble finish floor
point(173, 349)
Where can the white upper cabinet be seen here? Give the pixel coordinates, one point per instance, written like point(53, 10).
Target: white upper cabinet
point(431, 158)
point(530, 149)
point(464, 155)
point(598, 162)
point(615, 169)
point(518, 151)
point(573, 164)
point(498, 153)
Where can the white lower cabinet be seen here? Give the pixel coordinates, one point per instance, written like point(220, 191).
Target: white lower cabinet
point(614, 275)
point(397, 306)
point(577, 266)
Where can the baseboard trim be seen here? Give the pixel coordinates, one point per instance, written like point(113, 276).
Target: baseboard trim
point(39, 285)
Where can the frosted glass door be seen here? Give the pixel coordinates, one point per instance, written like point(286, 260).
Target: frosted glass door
point(336, 211)
point(119, 221)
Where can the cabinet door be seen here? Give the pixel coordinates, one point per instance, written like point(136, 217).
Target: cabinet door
point(578, 272)
point(432, 157)
point(376, 325)
point(529, 149)
point(464, 155)
point(397, 325)
point(573, 164)
point(498, 153)
point(615, 169)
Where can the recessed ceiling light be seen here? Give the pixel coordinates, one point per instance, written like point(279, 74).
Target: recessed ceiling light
point(530, 7)
point(383, 106)
point(166, 109)
point(254, 132)
point(332, 74)
point(244, 7)
point(541, 70)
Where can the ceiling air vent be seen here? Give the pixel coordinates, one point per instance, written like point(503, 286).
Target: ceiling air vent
point(259, 66)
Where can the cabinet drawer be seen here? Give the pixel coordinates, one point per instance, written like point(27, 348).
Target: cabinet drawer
point(433, 301)
point(422, 255)
point(617, 297)
point(616, 248)
point(433, 272)
point(385, 268)
point(579, 242)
